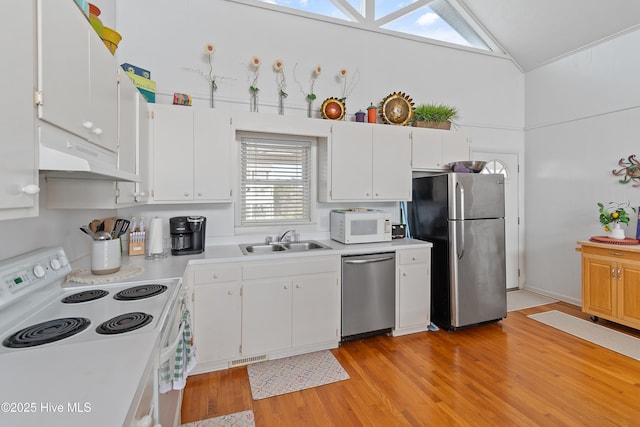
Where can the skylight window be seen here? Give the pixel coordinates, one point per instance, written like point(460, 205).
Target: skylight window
point(441, 20)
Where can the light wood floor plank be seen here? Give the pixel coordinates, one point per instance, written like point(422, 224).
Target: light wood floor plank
point(517, 372)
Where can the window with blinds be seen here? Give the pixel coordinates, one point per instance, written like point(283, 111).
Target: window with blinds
point(275, 182)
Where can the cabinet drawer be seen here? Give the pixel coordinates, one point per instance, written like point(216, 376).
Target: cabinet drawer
point(414, 256)
point(614, 253)
point(310, 265)
point(219, 273)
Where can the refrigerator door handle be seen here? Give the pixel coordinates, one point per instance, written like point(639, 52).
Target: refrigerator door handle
point(460, 201)
point(460, 239)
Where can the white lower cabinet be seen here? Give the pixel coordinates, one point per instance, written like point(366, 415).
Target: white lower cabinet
point(256, 310)
point(217, 317)
point(413, 290)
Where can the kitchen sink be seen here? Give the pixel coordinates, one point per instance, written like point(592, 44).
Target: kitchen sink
point(281, 247)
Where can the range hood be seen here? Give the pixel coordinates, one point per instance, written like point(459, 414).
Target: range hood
point(64, 155)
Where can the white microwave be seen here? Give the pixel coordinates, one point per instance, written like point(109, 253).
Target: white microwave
point(360, 225)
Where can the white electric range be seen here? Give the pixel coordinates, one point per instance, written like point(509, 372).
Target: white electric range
point(77, 355)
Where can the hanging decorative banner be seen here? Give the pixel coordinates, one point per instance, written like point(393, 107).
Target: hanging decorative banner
point(630, 170)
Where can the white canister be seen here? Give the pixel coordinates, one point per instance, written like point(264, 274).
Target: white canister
point(105, 256)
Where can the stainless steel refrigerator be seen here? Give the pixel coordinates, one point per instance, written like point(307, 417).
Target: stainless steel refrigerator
point(462, 214)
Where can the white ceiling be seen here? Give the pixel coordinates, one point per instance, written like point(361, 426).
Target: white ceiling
point(535, 32)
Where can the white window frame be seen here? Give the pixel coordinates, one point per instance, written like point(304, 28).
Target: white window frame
point(269, 226)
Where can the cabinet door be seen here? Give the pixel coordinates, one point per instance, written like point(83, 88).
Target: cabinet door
point(316, 308)
point(212, 156)
point(172, 153)
point(103, 95)
point(351, 162)
point(127, 138)
point(599, 278)
point(413, 295)
point(18, 166)
point(455, 147)
point(266, 316)
point(63, 70)
point(628, 303)
point(217, 321)
point(426, 148)
point(391, 163)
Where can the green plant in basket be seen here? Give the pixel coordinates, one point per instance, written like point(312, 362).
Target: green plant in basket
point(614, 213)
point(435, 113)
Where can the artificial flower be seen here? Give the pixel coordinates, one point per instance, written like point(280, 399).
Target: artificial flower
point(317, 71)
point(343, 73)
point(209, 48)
point(278, 67)
point(255, 64)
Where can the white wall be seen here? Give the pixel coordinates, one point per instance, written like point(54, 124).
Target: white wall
point(167, 36)
point(582, 116)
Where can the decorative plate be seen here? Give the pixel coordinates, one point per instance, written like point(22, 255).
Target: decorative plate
point(396, 109)
point(333, 109)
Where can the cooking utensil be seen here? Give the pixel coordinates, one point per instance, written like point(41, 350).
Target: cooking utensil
point(121, 226)
point(88, 231)
point(102, 235)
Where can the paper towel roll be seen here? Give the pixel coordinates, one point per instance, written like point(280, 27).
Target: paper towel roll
point(154, 237)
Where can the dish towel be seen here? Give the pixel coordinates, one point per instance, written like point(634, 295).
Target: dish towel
point(183, 361)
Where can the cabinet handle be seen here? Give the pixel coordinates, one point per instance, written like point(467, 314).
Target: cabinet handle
point(199, 194)
point(298, 286)
point(613, 272)
point(619, 273)
point(215, 275)
point(97, 131)
point(186, 194)
point(286, 287)
point(616, 253)
point(230, 293)
point(404, 274)
point(413, 258)
point(31, 189)
point(87, 124)
point(368, 195)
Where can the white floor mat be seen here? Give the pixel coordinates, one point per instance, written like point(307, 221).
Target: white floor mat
point(592, 332)
point(294, 373)
point(239, 419)
point(520, 299)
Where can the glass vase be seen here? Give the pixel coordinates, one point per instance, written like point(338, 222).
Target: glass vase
point(309, 107)
point(253, 103)
point(281, 105)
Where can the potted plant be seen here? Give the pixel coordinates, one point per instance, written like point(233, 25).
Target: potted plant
point(438, 116)
point(611, 217)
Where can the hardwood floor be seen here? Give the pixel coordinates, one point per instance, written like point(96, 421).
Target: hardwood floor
point(517, 372)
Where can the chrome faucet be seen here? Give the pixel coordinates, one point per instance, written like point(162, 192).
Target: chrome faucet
point(281, 238)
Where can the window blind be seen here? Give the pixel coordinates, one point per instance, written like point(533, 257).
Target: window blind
point(275, 183)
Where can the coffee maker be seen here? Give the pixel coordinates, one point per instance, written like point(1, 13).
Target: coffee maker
point(187, 234)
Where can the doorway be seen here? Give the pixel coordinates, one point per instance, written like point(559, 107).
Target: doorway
point(507, 164)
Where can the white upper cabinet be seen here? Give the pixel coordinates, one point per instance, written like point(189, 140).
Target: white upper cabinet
point(434, 149)
point(77, 75)
point(190, 155)
point(18, 168)
point(362, 162)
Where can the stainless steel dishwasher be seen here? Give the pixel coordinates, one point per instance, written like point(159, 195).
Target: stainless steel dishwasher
point(368, 295)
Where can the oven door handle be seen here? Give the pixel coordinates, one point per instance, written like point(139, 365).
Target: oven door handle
point(170, 350)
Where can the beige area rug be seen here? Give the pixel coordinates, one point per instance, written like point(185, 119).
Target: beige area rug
point(294, 373)
point(592, 332)
point(520, 299)
point(238, 419)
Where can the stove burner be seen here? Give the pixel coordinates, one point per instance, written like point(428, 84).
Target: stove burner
point(140, 292)
point(124, 323)
point(85, 296)
point(46, 332)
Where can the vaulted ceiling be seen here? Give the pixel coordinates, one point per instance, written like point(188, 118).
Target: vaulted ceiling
point(536, 32)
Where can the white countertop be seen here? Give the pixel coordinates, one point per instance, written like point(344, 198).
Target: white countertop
point(54, 381)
